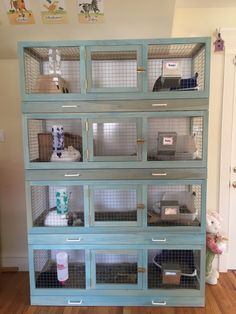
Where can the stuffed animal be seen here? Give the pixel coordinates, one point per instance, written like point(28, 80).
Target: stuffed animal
point(215, 244)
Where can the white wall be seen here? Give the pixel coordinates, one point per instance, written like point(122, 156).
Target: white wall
point(12, 196)
point(203, 22)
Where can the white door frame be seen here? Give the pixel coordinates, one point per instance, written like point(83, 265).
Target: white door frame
point(229, 36)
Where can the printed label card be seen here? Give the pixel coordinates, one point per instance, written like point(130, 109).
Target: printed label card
point(19, 12)
point(53, 12)
point(90, 11)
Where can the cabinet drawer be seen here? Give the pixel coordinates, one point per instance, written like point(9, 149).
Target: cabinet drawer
point(115, 106)
point(121, 300)
point(145, 238)
point(82, 175)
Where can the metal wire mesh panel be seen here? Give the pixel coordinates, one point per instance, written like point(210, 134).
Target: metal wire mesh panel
point(174, 205)
point(179, 138)
point(52, 70)
point(173, 269)
point(41, 138)
point(51, 271)
point(57, 206)
point(115, 138)
point(115, 204)
point(113, 267)
point(114, 69)
point(176, 67)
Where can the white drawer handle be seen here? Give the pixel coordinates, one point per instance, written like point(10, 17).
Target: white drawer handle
point(75, 302)
point(161, 174)
point(158, 240)
point(158, 303)
point(69, 106)
point(71, 174)
point(73, 239)
point(159, 105)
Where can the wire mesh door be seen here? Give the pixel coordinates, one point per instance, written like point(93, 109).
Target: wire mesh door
point(59, 268)
point(176, 67)
point(117, 269)
point(55, 140)
point(57, 205)
point(52, 70)
point(174, 269)
point(114, 68)
point(174, 205)
point(115, 139)
point(116, 205)
point(175, 138)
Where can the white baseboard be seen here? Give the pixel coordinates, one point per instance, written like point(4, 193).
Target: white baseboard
point(20, 262)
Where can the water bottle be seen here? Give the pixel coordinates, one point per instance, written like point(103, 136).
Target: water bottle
point(62, 266)
point(58, 139)
point(62, 201)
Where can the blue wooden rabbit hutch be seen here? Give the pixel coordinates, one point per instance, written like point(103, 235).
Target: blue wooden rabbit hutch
point(115, 150)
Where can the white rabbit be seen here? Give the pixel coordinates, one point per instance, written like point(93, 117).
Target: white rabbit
point(55, 219)
point(68, 154)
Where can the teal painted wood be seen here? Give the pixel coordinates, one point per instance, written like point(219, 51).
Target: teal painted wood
point(88, 270)
point(203, 269)
point(87, 205)
point(109, 287)
point(118, 49)
point(114, 229)
point(145, 105)
point(139, 104)
point(92, 175)
point(110, 45)
point(204, 202)
point(91, 140)
point(25, 142)
point(205, 139)
point(124, 42)
point(82, 71)
point(145, 66)
point(120, 292)
point(104, 116)
point(31, 269)
point(116, 161)
point(144, 198)
point(28, 205)
point(117, 301)
point(85, 141)
point(106, 236)
point(118, 187)
point(115, 96)
point(141, 198)
point(78, 166)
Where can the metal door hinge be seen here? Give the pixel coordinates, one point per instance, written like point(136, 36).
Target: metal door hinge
point(140, 140)
point(140, 206)
point(141, 270)
point(140, 70)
